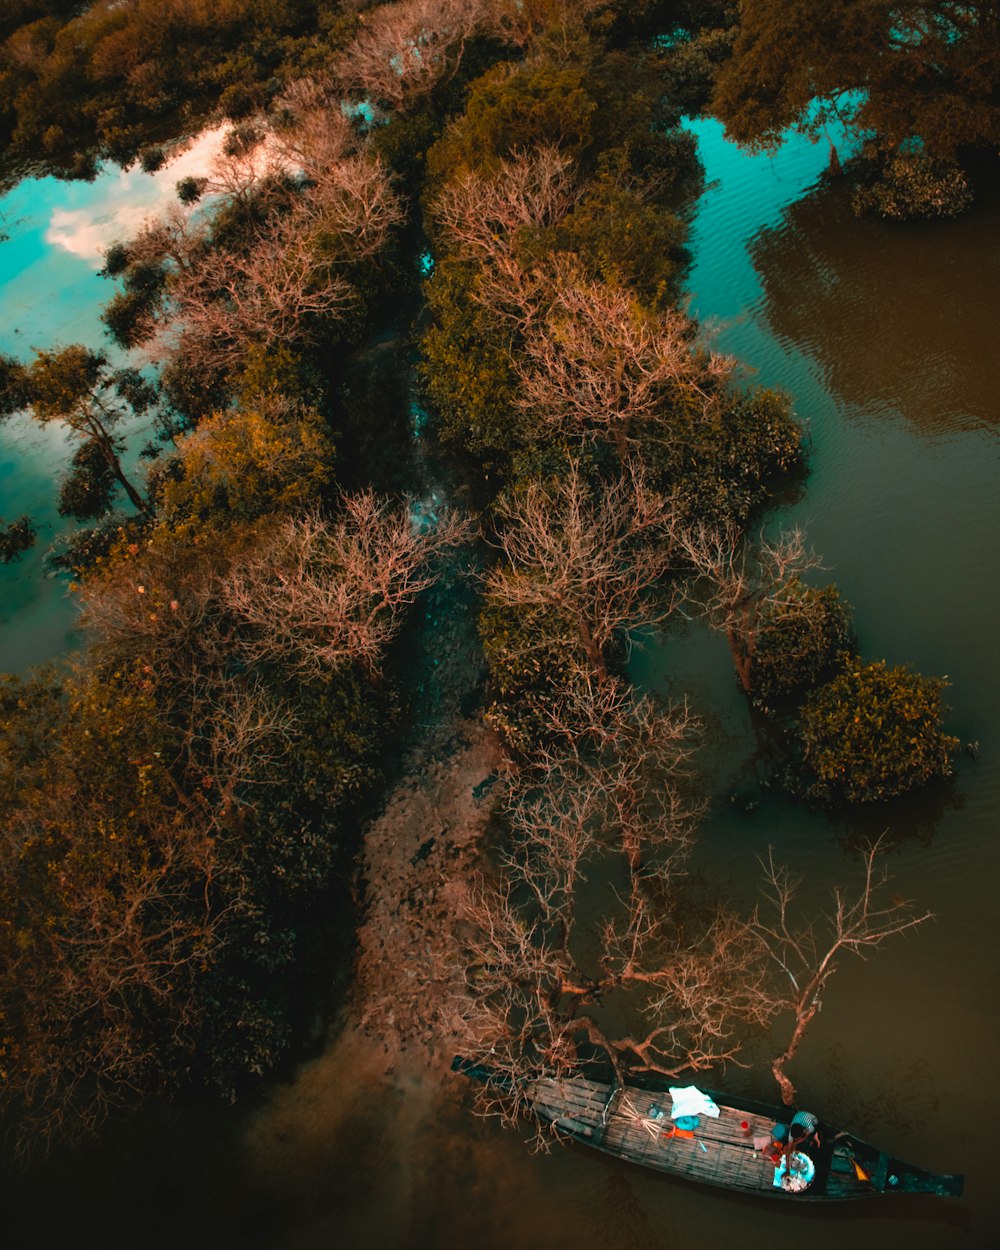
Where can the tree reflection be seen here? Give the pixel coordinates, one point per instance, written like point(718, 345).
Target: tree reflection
point(910, 817)
point(900, 318)
point(765, 781)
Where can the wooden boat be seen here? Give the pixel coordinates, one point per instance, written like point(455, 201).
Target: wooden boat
point(632, 1122)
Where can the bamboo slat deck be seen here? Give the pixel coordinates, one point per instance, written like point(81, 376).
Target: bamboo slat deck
point(617, 1119)
point(719, 1152)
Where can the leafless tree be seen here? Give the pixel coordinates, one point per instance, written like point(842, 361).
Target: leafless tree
point(807, 953)
point(246, 730)
point(737, 580)
point(706, 982)
point(288, 278)
point(404, 50)
point(319, 594)
point(310, 128)
point(482, 216)
point(598, 364)
point(273, 293)
point(606, 785)
point(695, 981)
point(592, 362)
point(615, 764)
point(539, 981)
point(584, 558)
point(291, 275)
point(177, 238)
point(514, 1017)
point(480, 212)
point(309, 593)
point(347, 192)
point(248, 165)
point(354, 205)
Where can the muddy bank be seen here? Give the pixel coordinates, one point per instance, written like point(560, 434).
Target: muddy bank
point(419, 861)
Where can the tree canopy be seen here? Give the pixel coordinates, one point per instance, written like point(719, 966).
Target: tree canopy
point(177, 806)
point(873, 733)
point(81, 82)
point(926, 72)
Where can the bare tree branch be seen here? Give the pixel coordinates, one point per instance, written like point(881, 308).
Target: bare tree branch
point(599, 364)
point(320, 594)
point(594, 555)
point(616, 761)
point(481, 212)
point(404, 50)
point(736, 580)
point(807, 954)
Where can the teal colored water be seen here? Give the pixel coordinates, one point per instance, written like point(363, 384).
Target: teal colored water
point(51, 296)
point(885, 338)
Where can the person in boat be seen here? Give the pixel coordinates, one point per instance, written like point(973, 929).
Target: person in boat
point(803, 1131)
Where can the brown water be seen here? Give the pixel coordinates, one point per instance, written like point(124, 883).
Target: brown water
point(887, 339)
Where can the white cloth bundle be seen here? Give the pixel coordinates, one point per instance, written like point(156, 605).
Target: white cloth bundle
point(689, 1100)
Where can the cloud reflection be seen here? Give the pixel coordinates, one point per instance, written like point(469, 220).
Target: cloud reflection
point(123, 200)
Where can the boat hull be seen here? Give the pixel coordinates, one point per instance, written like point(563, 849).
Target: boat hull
point(631, 1122)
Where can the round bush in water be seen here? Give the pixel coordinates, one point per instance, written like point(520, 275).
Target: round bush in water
point(802, 637)
point(873, 733)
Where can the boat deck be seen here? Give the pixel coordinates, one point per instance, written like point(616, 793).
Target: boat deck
point(618, 1120)
point(720, 1151)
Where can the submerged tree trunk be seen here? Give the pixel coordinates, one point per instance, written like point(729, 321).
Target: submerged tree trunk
point(742, 658)
point(778, 1064)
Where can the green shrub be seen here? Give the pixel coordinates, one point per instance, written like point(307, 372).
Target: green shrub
point(466, 370)
point(911, 184)
point(800, 640)
point(725, 468)
point(151, 159)
point(512, 109)
point(525, 669)
point(189, 190)
point(86, 492)
point(16, 537)
point(625, 240)
point(873, 733)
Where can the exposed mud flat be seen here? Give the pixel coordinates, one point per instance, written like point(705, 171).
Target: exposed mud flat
point(419, 864)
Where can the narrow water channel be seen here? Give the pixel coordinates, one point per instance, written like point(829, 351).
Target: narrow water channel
point(885, 337)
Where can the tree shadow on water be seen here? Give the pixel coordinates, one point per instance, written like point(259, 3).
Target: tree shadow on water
point(912, 817)
point(901, 317)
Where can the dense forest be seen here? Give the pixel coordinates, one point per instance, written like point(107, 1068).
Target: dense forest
point(502, 189)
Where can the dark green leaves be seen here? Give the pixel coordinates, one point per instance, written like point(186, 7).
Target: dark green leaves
point(874, 733)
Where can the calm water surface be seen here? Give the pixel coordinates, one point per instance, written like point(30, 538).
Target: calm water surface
point(51, 296)
point(886, 338)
